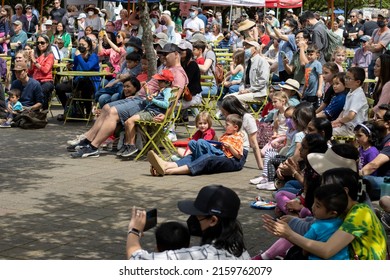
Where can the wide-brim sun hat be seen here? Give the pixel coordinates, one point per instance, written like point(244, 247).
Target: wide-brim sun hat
point(245, 25)
point(323, 162)
point(93, 8)
point(291, 84)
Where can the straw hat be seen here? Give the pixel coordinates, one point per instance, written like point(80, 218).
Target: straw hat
point(245, 25)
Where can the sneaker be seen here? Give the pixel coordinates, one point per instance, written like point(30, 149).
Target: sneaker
point(258, 180)
point(76, 147)
point(218, 115)
point(172, 136)
point(5, 125)
point(129, 151)
point(86, 151)
point(269, 186)
point(77, 140)
point(121, 150)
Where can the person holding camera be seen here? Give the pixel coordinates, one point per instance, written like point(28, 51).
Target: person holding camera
point(213, 217)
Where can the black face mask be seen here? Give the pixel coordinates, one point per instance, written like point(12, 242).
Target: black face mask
point(162, 22)
point(381, 23)
point(82, 49)
point(193, 225)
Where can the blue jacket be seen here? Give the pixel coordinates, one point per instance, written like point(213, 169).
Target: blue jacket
point(92, 64)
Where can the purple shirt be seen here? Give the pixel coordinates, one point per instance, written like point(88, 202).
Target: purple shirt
point(362, 59)
point(366, 156)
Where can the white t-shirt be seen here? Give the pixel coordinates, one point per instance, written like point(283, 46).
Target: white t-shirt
point(196, 24)
point(248, 127)
point(356, 101)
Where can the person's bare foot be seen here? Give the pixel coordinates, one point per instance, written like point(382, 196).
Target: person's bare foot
point(157, 163)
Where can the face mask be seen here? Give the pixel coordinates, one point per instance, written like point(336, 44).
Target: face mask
point(154, 20)
point(193, 225)
point(163, 22)
point(192, 14)
point(286, 30)
point(82, 49)
point(381, 23)
point(129, 50)
point(90, 13)
point(248, 54)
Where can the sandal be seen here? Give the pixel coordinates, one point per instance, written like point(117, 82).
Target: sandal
point(153, 171)
point(156, 162)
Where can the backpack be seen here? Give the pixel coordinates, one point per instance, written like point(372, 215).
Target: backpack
point(219, 73)
point(30, 120)
point(334, 41)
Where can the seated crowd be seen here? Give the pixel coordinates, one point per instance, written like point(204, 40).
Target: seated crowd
point(309, 100)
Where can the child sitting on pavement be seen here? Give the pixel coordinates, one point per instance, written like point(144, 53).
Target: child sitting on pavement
point(13, 108)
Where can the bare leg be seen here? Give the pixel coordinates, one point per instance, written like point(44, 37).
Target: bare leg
point(93, 131)
point(107, 128)
point(130, 129)
point(181, 170)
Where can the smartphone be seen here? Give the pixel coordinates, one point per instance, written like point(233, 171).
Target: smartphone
point(151, 219)
point(283, 54)
point(268, 17)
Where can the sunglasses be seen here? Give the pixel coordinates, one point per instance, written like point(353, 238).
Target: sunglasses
point(41, 42)
point(118, 36)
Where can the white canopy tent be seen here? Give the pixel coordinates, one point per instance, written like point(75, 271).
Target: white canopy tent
point(238, 3)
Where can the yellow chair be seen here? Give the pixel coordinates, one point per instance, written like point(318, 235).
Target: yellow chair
point(157, 132)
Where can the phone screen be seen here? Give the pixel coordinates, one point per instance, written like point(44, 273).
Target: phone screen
point(151, 219)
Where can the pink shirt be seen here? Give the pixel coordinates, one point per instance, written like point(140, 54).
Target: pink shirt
point(115, 57)
point(384, 98)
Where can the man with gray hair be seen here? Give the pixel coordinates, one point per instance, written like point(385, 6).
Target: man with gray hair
point(193, 23)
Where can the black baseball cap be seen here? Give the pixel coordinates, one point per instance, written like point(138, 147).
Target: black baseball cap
point(212, 200)
point(169, 48)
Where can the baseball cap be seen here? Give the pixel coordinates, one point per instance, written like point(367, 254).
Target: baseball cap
point(290, 11)
point(161, 43)
point(20, 66)
point(198, 37)
point(165, 75)
point(161, 35)
point(48, 22)
point(323, 162)
point(169, 48)
point(184, 45)
point(193, 8)
point(270, 12)
point(28, 7)
point(166, 12)
point(291, 84)
point(341, 18)
point(365, 38)
point(82, 15)
point(18, 22)
point(212, 200)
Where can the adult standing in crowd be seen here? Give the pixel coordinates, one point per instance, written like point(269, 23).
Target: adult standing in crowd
point(69, 19)
point(202, 16)
point(341, 21)
point(378, 44)
point(287, 45)
point(337, 30)
point(42, 60)
point(273, 20)
point(57, 12)
point(248, 27)
point(319, 35)
point(19, 16)
point(369, 26)
point(93, 18)
point(351, 32)
point(213, 217)
point(168, 22)
point(121, 23)
point(31, 95)
point(193, 23)
point(32, 22)
point(381, 92)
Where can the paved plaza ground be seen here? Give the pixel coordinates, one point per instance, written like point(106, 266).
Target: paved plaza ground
point(55, 207)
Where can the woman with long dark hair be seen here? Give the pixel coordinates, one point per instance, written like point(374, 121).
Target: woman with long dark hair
point(61, 33)
point(42, 60)
point(381, 93)
point(84, 60)
point(213, 217)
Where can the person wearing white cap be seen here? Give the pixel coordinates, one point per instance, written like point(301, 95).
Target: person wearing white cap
point(341, 21)
point(256, 76)
point(168, 22)
point(193, 23)
point(271, 16)
point(81, 25)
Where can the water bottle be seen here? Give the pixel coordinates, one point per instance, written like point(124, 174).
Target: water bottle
point(385, 187)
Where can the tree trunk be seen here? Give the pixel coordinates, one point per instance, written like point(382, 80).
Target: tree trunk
point(147, 38)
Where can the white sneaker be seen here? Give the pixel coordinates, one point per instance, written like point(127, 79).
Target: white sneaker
point(172, 136)
point(269, 186)
point(258, 180)
point(76, 140)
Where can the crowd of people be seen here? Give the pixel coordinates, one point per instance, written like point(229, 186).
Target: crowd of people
point(283, 62)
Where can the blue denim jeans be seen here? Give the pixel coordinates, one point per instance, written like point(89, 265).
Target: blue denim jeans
point(211, 164)
point(202, 147)
point(109, 94)
point(374, 188)
point(205, 90)
point(292, 186)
